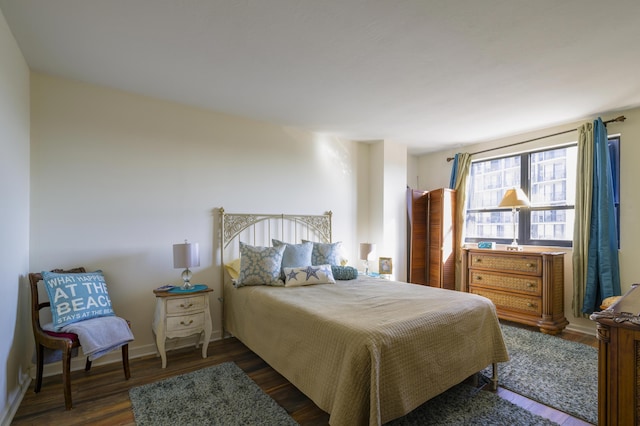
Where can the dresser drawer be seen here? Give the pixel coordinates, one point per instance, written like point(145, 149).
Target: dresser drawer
point(512, 302)
point(185, 304)
point(520, 283)
point(522, 264)
point(185, 322)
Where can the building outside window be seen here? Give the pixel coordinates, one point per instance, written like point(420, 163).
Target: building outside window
point(548, 177)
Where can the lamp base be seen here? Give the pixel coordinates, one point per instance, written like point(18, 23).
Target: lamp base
point(515, 248)
point(186, 277)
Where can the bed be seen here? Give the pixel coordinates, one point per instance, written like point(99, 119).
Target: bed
point(366, 350)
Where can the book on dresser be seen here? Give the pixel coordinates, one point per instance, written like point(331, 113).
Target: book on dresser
point(527, 287)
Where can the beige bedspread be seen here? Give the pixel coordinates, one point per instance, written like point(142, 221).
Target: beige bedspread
point(368, 350)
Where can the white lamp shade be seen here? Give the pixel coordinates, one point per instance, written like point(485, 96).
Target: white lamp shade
point(514, 197)
point(186, 255)
point(366, 249)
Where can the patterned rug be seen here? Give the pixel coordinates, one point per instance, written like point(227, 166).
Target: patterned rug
point(225, 395)
point(556, 372)
point(464, 405)
point(220, 395)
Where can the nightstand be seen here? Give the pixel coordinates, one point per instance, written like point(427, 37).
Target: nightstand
point(181, 315)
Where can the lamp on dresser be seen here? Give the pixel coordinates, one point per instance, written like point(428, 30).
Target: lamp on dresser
point(365, 250)
point(186, 255)
point(514, 198)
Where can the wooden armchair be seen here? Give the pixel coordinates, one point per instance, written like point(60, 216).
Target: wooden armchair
point(64, 342)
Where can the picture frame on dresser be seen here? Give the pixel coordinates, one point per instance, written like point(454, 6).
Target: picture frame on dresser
point(385, 266)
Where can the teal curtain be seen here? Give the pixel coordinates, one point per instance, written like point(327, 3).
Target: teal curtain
point(454, 173)
point(603, 271)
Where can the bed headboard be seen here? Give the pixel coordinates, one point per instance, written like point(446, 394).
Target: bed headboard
point(259, 229)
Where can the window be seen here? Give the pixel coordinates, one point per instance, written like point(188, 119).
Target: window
point(548, 177)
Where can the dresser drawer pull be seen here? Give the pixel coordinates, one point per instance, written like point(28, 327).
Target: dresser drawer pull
point(529, 284)
point(478, 259)
point(530, 305)
point(186, 324)
point(531, 265)
point(479, 277)
point(186, 306)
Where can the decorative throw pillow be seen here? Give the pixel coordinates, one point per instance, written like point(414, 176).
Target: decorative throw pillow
point(326, 253)
point(308, 275)
point(344, 272)
point(259, 265)
point(233, 268)
point(76, 297)
point(294, 254)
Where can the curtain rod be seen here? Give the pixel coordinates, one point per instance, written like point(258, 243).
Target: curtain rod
point(620, 118)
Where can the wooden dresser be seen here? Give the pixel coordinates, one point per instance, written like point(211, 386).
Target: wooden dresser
point(619, 361)
point(618, 373)
point(526, 287)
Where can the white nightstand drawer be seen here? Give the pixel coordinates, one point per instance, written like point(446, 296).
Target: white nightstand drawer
point(185, 304)
point(185, 322)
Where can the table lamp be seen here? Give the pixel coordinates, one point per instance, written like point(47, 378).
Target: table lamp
point(365, 250)
point(514, 198)
point(186, 256)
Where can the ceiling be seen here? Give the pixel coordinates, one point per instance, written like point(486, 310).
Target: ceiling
point(432, 74)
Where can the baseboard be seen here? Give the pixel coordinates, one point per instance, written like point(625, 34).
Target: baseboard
point(591, 331)
point(14, 402)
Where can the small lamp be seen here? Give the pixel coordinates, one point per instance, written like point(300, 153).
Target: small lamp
point(514, 198)
point(185, 256)
point(365, 250)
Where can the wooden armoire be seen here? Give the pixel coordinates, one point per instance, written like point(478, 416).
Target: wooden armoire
point(432, 237)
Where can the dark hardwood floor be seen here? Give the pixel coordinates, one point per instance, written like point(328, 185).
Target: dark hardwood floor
point(100, 397)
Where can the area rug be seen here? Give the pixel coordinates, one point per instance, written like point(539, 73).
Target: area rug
point(220, 395)
point(225, 395)
point(553, 371)
point(465, 405)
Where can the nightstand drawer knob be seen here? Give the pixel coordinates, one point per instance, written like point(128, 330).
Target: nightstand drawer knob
point(479, 277)
point(531, 265)
point(530, 305)
point(186, 324)
point(529, 284)
point(186, 306)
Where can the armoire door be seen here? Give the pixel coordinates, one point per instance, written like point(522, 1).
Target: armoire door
point(417, 215)
point(441, 238)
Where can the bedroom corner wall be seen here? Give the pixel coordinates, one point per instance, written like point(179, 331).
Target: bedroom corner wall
point(117, 178)
point(434, 172)
point(388, 221)
point(15, 317)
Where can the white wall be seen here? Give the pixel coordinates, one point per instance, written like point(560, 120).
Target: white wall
point(434, 172)
point(386, 189)
point(118, 178)
point(15, 333)
point(395, 208)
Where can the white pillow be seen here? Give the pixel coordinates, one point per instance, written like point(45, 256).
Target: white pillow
point(308, 275)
